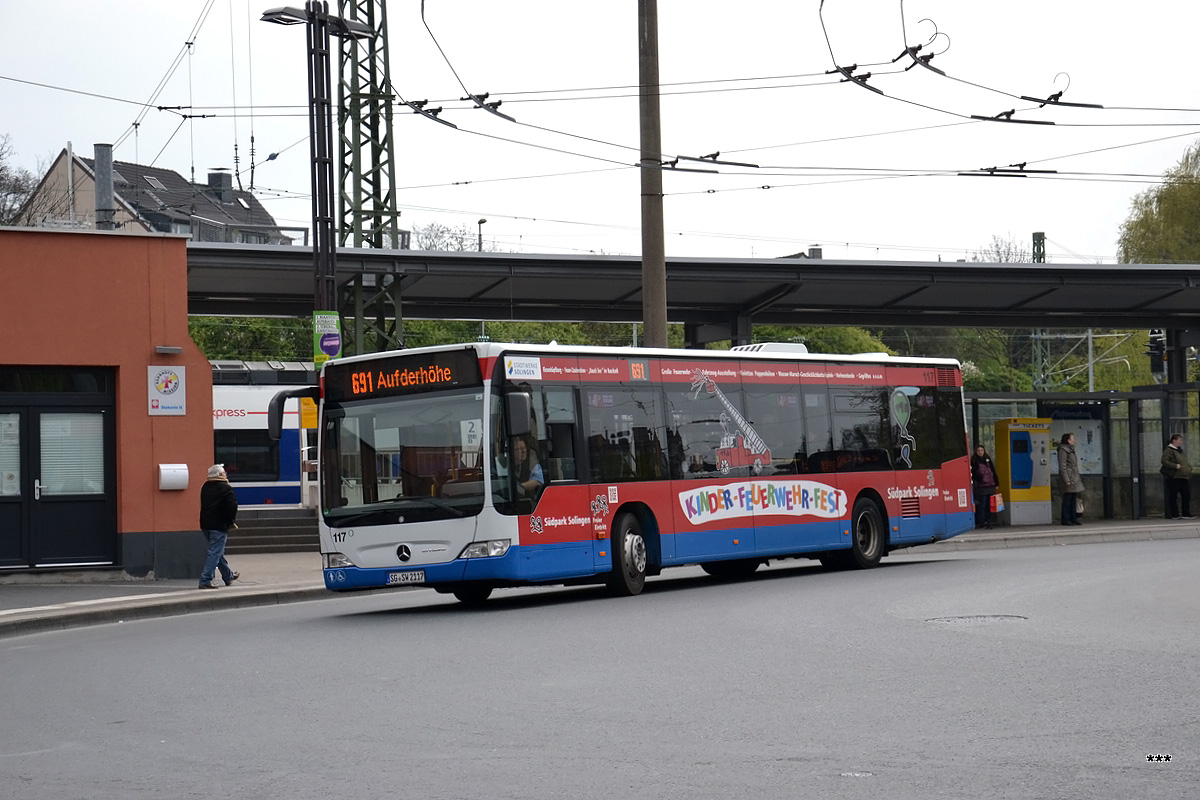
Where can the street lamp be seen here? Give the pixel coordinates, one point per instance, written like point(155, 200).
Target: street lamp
point(321, 24)
point(480, 223)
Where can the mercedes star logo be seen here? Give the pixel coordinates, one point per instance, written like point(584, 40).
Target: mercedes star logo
point(403, 552)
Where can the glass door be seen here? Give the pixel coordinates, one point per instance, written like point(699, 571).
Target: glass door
point(73, 510)
point(14, 529)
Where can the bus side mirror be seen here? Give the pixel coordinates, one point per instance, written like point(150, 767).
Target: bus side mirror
point(519, 407)
point(275, 408)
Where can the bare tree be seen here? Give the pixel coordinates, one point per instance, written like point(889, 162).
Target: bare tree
point(436, 236)
point(16, 184)
point(1003, 251)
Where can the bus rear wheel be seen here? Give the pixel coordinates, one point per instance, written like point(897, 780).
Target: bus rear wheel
point(867, 539)
point(629, 555)
point(473, 595)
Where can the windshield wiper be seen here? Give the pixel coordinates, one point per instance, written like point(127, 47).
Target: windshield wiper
point(433, 501)
point(354, 519)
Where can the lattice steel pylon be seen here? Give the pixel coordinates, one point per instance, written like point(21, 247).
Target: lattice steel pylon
point(1040, 336)
point(368, 214)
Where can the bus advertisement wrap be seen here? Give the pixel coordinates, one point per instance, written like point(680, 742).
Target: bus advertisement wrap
point(473, 467)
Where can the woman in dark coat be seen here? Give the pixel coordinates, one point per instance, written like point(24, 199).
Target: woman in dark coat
point(983, 483)
point(1069, 481)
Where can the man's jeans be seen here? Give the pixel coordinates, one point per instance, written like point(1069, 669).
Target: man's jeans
point(216, 558)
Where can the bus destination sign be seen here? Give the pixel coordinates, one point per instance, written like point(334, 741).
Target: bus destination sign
point(401, 375)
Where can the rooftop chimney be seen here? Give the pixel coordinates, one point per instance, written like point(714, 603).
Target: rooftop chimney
point(221, 184)
point(105, 208)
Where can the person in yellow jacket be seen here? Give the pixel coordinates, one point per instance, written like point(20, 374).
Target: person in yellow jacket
point(1177, 473)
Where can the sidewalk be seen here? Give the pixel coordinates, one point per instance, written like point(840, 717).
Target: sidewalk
point(31, 603)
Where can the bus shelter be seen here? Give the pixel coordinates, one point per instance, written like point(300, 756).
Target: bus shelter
point(1119, 439)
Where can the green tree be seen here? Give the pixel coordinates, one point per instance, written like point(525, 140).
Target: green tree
point(252, 338)
point(1162, 224)
point(1163, 227)
point(823, 339)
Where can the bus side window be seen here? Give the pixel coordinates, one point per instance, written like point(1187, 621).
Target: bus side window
point(625, 434)
point(557, 446)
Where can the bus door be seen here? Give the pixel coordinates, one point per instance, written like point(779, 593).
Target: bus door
point(626, 446)
point(818, 461)
point(714, 455)
point(556, 528)
point(955, 457)
point(917, 507)
point(792, 511)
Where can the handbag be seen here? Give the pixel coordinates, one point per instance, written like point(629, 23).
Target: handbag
point(997, 502)
point(1078, 504)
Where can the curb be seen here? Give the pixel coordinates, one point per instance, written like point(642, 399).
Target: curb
point(19, 622)
point(1004, 541)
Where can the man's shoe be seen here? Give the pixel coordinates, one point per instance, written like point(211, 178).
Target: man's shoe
point(1076, 523)
point(208, 586)
point(236, 575)
point(1176, 517)
point(1187, 516)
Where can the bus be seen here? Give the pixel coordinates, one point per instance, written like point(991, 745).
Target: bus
point(471, 467)
point(263, 471)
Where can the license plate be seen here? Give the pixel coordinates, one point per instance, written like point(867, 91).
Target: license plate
point(411, 576)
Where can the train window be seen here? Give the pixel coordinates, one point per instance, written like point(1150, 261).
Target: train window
point(248, 455)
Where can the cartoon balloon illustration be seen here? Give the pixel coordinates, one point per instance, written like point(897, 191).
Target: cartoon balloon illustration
point(901, 409)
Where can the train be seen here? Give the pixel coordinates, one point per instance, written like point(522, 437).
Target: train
point(264, 472)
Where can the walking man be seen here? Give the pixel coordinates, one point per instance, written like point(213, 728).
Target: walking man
point(218, 509)
point(1177, 473)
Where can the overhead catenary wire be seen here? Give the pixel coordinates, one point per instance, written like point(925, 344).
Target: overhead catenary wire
point(732, 176)
point(170, 72)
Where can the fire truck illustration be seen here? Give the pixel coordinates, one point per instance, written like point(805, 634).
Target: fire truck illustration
point(740, 448)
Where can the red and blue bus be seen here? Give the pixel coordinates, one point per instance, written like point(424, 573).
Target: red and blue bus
point(471, 467)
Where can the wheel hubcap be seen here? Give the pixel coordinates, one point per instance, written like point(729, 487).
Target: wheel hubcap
point(866, 534)
point(635, 554)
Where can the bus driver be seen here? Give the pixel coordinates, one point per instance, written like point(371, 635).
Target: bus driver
point(528, 471)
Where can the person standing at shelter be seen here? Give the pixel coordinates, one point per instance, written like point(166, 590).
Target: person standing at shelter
point(983, 482)
point(1069, 481)
point(218, 510)
point(1178, 475)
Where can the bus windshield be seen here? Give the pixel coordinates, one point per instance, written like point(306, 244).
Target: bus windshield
point(403, 459)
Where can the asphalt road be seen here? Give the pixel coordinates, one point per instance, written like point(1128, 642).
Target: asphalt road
point(1023, 673)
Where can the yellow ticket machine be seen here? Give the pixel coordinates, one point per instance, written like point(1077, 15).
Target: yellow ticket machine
point(1023, 470)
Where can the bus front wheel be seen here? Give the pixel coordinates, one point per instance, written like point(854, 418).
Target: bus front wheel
point(629, 557)
point(473, 595)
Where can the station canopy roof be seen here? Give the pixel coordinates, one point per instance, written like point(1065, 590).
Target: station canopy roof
point(266, 280)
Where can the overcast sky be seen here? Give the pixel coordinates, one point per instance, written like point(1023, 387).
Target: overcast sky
point(862, 175)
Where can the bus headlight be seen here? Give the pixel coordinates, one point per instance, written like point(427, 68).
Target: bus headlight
point(336, 561)
point(491, 549)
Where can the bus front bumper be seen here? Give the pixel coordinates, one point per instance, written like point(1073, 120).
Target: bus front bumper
point(498, 569)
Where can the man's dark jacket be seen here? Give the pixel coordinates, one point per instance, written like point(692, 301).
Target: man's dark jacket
point(218, 506)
